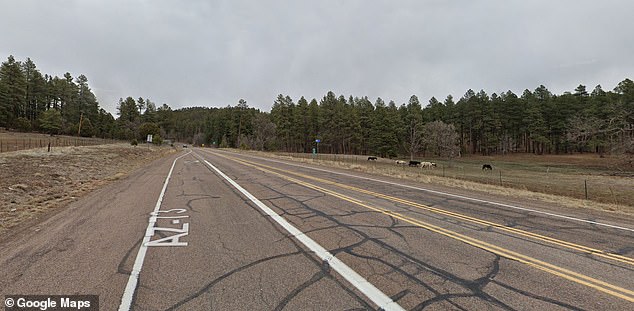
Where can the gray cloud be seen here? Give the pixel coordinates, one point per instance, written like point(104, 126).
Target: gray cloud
point(212, 53)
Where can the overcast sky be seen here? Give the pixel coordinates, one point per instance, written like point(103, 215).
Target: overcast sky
point(212, 53)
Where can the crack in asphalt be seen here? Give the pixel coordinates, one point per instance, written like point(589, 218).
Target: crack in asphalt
point(325, 271)
point(398, 262)
point(209, 286)
point(475, 287)
point(537, 297)
point(121, 267)
point(200, 197)
point(625, 250)
point(525, 218)
point(396, 297)
point(366, 238)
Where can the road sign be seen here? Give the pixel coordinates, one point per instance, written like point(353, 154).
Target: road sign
point(317, 140)
point(149, 138)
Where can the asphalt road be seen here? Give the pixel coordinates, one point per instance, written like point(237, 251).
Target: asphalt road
point(342, 241)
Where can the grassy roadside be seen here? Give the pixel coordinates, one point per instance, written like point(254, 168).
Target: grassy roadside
point(34, 182)
point(552, 180)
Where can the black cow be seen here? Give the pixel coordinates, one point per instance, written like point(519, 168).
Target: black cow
point(371, 158)
point(487, 167)
point(414, 163)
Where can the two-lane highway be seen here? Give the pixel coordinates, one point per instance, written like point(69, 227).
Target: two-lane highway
point(214, 230)
point(548, 261)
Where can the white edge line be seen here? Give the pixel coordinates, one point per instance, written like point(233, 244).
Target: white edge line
point(453, 195)
point(130, 288)
point(374, 294)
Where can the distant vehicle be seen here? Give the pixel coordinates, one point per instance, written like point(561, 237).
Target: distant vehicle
point(184, 146)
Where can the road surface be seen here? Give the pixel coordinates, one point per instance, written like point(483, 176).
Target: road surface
point(212, 230)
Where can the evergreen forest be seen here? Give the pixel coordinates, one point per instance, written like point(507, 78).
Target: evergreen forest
point(584, 120)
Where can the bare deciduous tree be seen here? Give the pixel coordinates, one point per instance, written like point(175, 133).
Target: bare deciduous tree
point(263, 132)
point(440, 139)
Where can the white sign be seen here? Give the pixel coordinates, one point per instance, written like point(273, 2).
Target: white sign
point(149, 138)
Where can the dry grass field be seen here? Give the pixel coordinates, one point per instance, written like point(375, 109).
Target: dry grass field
point(35, 182)
point(608, 180)
point(13, 141)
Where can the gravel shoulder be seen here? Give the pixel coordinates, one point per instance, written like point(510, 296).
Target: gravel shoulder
point(34, 184)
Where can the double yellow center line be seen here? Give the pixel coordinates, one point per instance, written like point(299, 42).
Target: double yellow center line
point(541, 265)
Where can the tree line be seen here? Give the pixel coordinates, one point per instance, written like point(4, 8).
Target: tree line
point(537, 121)
point(32, 101)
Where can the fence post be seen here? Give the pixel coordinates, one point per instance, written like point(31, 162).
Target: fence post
point(585, 184)
point(443, 170)
point(616, 201)
point(500, 177)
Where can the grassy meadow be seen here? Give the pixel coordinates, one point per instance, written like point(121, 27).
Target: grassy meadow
point(608, 180)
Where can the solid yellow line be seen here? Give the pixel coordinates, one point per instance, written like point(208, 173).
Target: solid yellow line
point(585, 249)
point(520, 232)
point(541, 265)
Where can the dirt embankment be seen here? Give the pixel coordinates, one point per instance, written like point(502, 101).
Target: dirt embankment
point(35, 182)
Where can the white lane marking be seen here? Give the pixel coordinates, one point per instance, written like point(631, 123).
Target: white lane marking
point(455, 196)
point(379, 298)
point(130, 288)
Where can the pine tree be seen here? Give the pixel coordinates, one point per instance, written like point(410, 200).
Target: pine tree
point(12, 92)
point(51, 121)
point(413, 120)
point(302, 128)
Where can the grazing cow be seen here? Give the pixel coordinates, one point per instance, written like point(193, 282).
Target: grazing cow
point(414, 163)
point(428, 165)
point(371, 158)
point(400, 162)
point(487, 167)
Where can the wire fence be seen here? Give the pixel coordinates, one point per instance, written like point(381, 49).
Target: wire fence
point(21, 143)
point(593, 184)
